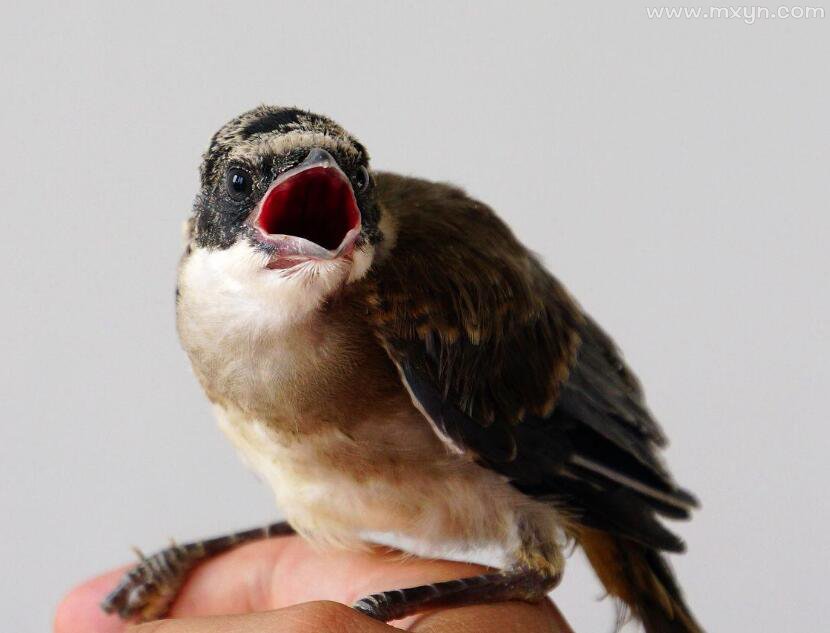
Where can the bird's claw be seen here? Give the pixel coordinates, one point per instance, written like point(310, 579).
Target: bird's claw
point(147, 591)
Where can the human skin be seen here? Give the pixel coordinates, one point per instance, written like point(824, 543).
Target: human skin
point(285, 585)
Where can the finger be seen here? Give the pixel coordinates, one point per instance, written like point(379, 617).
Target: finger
point(504, 617)
point(237, 582)
point(289, 571)
point(268, 575)
point(262, 576)
point(311, 617)
point(283, 572)
point(79, 611)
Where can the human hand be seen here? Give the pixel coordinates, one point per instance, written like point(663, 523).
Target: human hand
point(283, 585)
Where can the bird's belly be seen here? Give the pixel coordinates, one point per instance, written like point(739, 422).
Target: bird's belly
point(333, 487)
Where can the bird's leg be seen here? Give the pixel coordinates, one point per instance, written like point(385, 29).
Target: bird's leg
point(536, 571)
point(517, 583)
point(146, 591)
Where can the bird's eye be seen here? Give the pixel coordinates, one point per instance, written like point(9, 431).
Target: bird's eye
point(239, 183)
point(361, 179)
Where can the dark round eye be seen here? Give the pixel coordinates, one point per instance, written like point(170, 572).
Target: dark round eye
point(239, 183)
point(361, 179)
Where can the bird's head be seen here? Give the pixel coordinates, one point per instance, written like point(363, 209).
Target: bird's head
point(286, 199)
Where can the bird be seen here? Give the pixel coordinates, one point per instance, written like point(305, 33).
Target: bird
point(389, 357)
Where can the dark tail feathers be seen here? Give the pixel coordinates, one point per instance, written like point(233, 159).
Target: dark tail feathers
point(640, 577)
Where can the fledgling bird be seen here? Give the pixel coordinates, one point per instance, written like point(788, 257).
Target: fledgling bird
point(389, 358)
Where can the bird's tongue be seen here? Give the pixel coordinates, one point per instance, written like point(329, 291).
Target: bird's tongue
point(316, 204)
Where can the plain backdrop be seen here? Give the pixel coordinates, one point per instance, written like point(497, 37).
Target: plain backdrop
point(673, 173)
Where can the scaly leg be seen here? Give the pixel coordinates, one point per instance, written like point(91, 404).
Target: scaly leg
point(147, 590)
point(518, 583)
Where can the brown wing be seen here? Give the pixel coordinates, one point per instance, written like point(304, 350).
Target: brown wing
point(504, 364)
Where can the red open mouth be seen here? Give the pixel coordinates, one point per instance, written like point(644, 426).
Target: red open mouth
point(316, 204)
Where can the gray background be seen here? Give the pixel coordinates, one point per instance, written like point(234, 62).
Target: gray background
point(674, 173)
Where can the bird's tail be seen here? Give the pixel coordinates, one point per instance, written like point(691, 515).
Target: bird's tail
point(640, 577)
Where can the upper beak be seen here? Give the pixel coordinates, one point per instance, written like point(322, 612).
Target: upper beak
point(318, 157)
point(309, 211)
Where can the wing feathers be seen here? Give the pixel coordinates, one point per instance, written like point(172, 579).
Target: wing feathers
point(678, 499)
point(505, 365)
point(495, 444)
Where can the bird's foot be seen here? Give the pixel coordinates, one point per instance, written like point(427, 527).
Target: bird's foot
point(147, 591)
point(515, 584)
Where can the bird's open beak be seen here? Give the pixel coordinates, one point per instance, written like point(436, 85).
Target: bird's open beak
point(309, 212)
